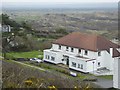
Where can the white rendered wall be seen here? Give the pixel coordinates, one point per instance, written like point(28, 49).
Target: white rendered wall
point(90, 66)
point(50, 54)
point(116, 75)
point(108, 60)
point(58, 56)
point(101, 60)
point(105, 59)
point(77, 61)
point(91, 54)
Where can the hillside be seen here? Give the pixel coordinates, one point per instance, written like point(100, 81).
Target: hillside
point(15, 75)
point(101, 22)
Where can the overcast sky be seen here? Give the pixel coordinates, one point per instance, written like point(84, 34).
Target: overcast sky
point(59, 3)
point(62, 1)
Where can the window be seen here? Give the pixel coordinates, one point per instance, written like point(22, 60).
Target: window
point(81, 66)
point(78, 65)
point(48, 57)
point(52, 58)
point(45, 56)
point(72, 49)
point(67, 48)
point(98, 64)
point(86, 52)
point(79, 50)
point(60, 47)
point(99, 53)
point(73, 64)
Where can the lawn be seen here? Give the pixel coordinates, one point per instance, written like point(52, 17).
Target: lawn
point(107, 77)
point(31, 54)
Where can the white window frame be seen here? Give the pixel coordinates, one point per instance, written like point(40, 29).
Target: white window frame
point(60, 47)
point(86, 52)
point(99, 53)
point(78, 65)
point(99, 64)
point(72, 49)
point(52, 58)
point(81, 66)
point(67, 48)
point(79, 50)
point(73, 64)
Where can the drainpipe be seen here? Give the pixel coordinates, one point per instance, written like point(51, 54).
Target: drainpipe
point(111, 52)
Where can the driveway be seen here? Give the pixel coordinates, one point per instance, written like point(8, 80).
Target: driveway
point(104, 83)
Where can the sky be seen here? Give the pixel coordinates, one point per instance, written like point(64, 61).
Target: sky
point(62, 1)
point(58, 3)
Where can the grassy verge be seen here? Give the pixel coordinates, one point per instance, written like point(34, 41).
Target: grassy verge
point(31, 54)
point(106, 77)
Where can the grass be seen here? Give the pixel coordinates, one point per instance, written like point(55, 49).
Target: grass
point(31, 54)
point(106, 77)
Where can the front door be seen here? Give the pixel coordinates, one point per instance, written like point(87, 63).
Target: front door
point(66, 58)
point(67, 61)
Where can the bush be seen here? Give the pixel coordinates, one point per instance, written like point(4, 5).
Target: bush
point(62, 71)
point(61, 30)
point(28, 82)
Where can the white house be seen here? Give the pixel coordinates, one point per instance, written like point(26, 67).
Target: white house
point(83, 52)
point(5, 28)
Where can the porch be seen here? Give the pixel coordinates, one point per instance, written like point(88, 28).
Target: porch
point(102, 71)
point(82, 64)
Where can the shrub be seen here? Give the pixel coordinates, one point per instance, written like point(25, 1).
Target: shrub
point(28, 82)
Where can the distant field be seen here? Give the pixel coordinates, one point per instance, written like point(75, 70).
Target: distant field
point(98, 22)
point(31, 54)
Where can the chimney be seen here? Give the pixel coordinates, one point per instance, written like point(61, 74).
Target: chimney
point(111, 52)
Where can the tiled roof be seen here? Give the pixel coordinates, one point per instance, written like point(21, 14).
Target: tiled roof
point(86, 41)
point(116, 53)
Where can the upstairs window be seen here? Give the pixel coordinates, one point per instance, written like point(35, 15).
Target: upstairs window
point(98, 64)
point(67, 48)
point(60, 47)
point(99, 53)
point(86, 52)
point(79, 50)
point(72, 49)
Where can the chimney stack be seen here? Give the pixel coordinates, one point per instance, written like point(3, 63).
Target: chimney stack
point(111, 52)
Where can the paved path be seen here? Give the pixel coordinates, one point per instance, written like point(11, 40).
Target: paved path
point(30, 66)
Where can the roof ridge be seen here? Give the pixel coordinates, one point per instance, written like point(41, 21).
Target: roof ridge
point(92, 42)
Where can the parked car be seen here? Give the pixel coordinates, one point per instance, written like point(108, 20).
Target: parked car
point(36, 60)
point(73, 74)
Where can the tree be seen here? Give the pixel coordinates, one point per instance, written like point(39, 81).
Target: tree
point(7, 21)
point(61, 31)
point(5, 43)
